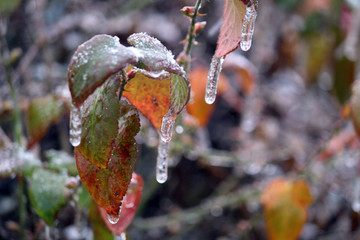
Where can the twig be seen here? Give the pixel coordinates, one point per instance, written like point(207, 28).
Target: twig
point(191, 31)
point(195, 214)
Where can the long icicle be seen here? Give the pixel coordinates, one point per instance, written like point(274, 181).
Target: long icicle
point(75, 126)
point(162, 162)
point(214, 73)
point(248, 27)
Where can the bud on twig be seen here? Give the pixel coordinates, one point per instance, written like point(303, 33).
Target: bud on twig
point(199, 27)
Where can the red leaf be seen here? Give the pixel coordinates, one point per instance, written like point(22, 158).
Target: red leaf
point(128, 210)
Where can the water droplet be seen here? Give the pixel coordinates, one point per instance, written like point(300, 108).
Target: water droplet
point(248, 27)
point(113, 219)
point(162, 162)
point(167, 127)
point(214, 73)
point(75, 126)
point(121, 236)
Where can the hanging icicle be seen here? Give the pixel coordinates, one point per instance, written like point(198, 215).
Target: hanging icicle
point(162, 162)
point(75, 126)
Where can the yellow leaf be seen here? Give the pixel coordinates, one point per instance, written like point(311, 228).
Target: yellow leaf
point(285, 208)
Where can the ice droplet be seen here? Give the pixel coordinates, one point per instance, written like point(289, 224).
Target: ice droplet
point(113, 219)
point(214, 73)
point(167, 127)
point(75, 126)
point(121, 236)
point(162, 162)
point(248, 27)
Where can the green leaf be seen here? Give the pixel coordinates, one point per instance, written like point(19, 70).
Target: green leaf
point(180, 93)
point(60, 160)
point(7, 6)
point(153, 54)
point(95, 61)
point(101, 232)
point(48, 193)
point(100, 124)
point(108, 186)
point(42, 113)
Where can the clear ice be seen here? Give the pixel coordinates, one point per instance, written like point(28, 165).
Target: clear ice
point(75, 126)
point(356, 197)
point(214, 73)
point(167, 127)
point(162, 162)
point(113, 219)
point(121, 236)
point(248, 27)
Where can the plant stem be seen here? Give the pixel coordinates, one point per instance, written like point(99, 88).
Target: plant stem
point(191, 31)
point(123, 83)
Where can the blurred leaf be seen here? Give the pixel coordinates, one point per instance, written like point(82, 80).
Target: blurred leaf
point(47, 193)
point(101, 232)
point(128, 209)
point(155, 97)
point(153, 54)
point(231, 28)
point(95, 61)
point(7, 6)
point(85, 198)
point(289, 4)
point(42, 113)
point(355, 106)
point(100, 124)
point(197, 107)
point(59, 160)
point(108, 186)
point(344, 75)
point(285, 208)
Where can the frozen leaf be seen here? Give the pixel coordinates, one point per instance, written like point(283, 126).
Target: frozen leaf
point(108, 186)
point(153, 55)
point(231, 32)
point(60, 160)
point(128, 209)
point(95, 61)
point(48, 193)
point(285, 208)
point(197, 107)
point(154, 98)
point(100, 124)
point(42, 113)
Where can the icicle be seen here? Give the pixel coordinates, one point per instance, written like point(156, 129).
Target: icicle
point(113, 219)
point(167, 127)
point(356, 201)
point(161, 163)
point(214, 73)
point(121, 236)
point(248, 27)
point(75, 126)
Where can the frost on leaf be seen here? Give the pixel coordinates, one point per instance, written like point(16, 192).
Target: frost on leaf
point(48, 193)
point(285, 208)
point(153, 55)
point(129, 206)
point(100, 126)
point(231, 32)
point(108, 186)
point(42, 113)
point(155, 98)
point(95, 61)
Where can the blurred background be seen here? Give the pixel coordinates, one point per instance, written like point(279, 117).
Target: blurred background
point(285, 109)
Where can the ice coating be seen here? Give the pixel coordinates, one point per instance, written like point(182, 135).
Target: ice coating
point(113, 219)
point(248, 27)
point(75, 126)
point(121, 236)
point(214, 73)
point(162, 162)
point(167, 127)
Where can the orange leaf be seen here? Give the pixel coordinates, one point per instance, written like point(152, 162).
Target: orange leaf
point(198, 108)
point(150, 96)
point(285, 208)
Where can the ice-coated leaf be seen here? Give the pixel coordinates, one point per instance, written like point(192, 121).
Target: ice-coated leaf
point(197, 107)
point(154, 98)
point(153, 55)
point(100, 124)
point(60, 160)
point(95, 61)
point(42, 113)
point(128, 209)
point(285, 208)
point(48, 193)
point(108, 186)
point(231, 29)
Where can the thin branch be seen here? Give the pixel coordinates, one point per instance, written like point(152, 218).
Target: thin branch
point(191, 31)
